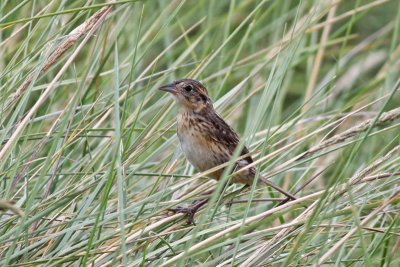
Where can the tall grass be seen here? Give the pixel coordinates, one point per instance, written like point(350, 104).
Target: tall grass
point(90, 162)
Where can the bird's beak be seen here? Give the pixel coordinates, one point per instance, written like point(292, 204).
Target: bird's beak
point(170, 88)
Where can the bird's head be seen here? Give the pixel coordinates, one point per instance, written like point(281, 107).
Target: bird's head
point(189, 94)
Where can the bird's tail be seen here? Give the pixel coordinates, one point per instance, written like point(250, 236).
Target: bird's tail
point(277, 188)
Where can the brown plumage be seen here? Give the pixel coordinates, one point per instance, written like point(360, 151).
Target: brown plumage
point(206, 139)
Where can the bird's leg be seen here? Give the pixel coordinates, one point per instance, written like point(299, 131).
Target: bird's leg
point(277, 188)
point(191, 210)
point(209, 192)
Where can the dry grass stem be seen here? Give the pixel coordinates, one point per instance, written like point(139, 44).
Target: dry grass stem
point(69, 40)
point(365, 125)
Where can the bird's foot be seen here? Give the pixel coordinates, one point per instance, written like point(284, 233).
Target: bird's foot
point(190, 211)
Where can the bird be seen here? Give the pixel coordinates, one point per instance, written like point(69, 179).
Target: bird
point(207, 140)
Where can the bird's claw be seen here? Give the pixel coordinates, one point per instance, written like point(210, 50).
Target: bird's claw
point(189, 211)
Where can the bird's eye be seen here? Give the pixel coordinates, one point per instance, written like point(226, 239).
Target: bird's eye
point(188, 87)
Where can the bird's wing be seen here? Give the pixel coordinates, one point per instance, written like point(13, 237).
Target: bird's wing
point(222, 133)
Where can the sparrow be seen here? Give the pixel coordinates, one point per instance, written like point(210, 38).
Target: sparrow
point(207, 140)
